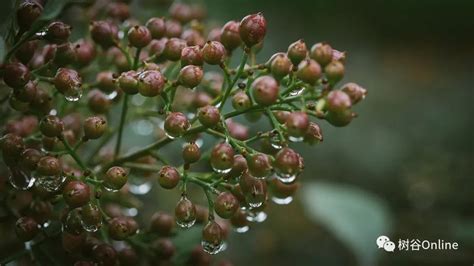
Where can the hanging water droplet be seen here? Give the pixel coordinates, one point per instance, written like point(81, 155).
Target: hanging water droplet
point(255, 204)
point(242, 229)
point(285, 178)
point(139, 186)
point(21, 179)
point(91, 228)
point(221, 171)
point(212, 248)
point(112, 95)
point(46, 224)
point(257, 217)
point(51, 183)
point(143, 127)
point(295, 139)
point(73, 94)
point(297, 91)
point(186, 224)
point(282, 201)
point(276, 142)
point(53, 112)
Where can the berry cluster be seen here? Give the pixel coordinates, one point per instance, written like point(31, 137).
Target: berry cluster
point(60, 148)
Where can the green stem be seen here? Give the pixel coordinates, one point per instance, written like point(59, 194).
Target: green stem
point(237, 76)
point(73, 154)
point(275, 124)
point(126, 54)
point(121, 125)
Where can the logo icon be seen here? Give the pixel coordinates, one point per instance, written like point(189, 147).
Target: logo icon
point(385, 243)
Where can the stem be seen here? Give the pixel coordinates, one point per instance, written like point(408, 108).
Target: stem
point(237, 76)
point(137, 58)
point(125, 52)
point(275, 124)
point(121, 125)
point(73, 154)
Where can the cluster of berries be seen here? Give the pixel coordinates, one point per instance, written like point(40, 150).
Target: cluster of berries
point(155, 73)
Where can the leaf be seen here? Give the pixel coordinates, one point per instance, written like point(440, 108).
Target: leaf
point(354, 216)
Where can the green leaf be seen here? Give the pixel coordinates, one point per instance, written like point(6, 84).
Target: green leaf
point(354, 216)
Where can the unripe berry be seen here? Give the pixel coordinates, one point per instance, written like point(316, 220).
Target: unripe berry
point(85, 52)
point(181, 12)
point(265, 90)
point(27, 13)
point(115, 178)
point(26, 51)
point(241, 101)
point(252, 29)
point(297, 123)
point(16, 75)
point(157, 48)
point(212, 237)
point(168, 177)
point(120, 228)
point(139, 36)
point(173, 49)
point(51, 126)
point(190, 76)
point(104, 254)
point(230, 35)
point(259, 165)
point(94, 127)
point(67, 80)
point(57, 32)
point(338, 101)
point(98, 102)
point(104, 33)
point(355, 92)
point(226, 204)
point(313, 134)
point(297, 52)
point(162, 223)
point(65, 54)
point(288, 162)
point(173, 28)
point(340, 119)
point(280, 65)
point(193, 37)
point(191, 153)
point(26, 228)
point(334, 71)
point(76, 194)
point(106, 81)
point(30, 158)
point(209, 116)
point(12, 145)
point(157, 27)
point(49, 166)
point(322, 53)
point(128, 82)
point(213, 52)
point(91, 216)
point(176, 124)
point(309, 71)
point(150, 83)
point(119, 11)
point(192, 55)
point(238, 130)
point(238, 167)
point(185, 213)
point(222, 157)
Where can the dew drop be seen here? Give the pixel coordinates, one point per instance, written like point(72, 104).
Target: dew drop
point(276, 143)
point(297, 91)
point(51, 183)
point(286, 178)
point(295, 139)
point(257, 217)
point(91, 228)
point(282, 201)
point(186, 224)
point(221, 171)
point(21, 179)
point(212, 248)
point(73, 94)
point(242, 229)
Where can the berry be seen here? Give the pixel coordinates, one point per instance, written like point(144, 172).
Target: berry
point(65, 54)
point(192, 55)
point(209, 116)
point(157, 27)
point(201, 99)
point(51, 126)
point(26, 93)
point(254, 190)
point(241, 101)
point(28, 12)
point(119, 11)
point(176, 124)
point(104, 33)
point(190, 76)
point(104, 254)
point(115, 178)
point(181, 12)
point(94, 127)
point(283, 190)
point(163, 248)
point(106, 81)
point(340, 119)
point(185, 212)
point(238, 167)
point(128, 82)
point(128, 256)
point(265, 90)
point(355, 92)
point(16, 75)
point(212, 237)
point(57, 32)
point(334, 71)
point(173, 28)
point(288, 162)
point(322, 53)
point(193, 37)
point(191, 153)
point(157, 48)
point(91, 216)
point(213, 52)
point(338, 101)
point(280, 65)
point(313, 134)
point(121, 228)
point(76, 194)
point(26, 51)
point(162, 223)
point(252, 29)
point(30, 158)
point(12, 145)
point(226, 204)
point(98, 102)
point(26, 228)
point(297, 123)
point(168, 177)
point(139, 36)
point(222, 157)
point(309, 71)
point(230, 35)
point(259, 165)
point(173, 49)
point(49, 166)
point(150, 83)
point(238, 130)
point(67, 80)
point(297, 52)
point(42, 101)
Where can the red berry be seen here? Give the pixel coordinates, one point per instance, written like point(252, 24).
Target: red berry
point(94, 127)
point(334, 71)
point(51, 126)
point(67, 80)
point(49, 166)
point(162, 223)
point(192, 55)
point(226, 204)
point(288, 162)
point(322, 53)
point(76, 194)
point(27, 13)
point(58, 32)
point(173, 49)
point(313, 134)
point(280, 65)
point(190, 76)
point(230, 35)
point(168, 177)
point(297, 123)
point(16, 75)
point(259, 165)
point(173, 28)
point(338, 101)
point(115, 178)
point(297, 52)
point(150, 83)
point(191, 153)
point(309, 71)
point(176, 124)
point(157, 27)
point(241, 101)
point(209, 116)
point(222, 157)
point(104, 33)
point(139, 36)
point(265, 90)
point(252, 29)
point(26, 228)
point(213, 52)
point(181, 12)
point(355, 92)
point(98, 102)
point(185, 213)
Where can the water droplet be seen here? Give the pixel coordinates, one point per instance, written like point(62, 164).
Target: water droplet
point(257, 217)
point(282, 201)
point(295, 139)
point(143, 127)
point(53, 112)
point(286, 178)
point(186, 224)
point(46, 224)
point(169, 136)
point(73, 94)
point(21, 179)
point(112, 95)
point(212, 248)
point(110, 189)
point(221, 171)
point(297, 91)
point(276, 143)
point(51, 183)
point(255, 204)
point(190, 115)
point(242, 229)
point(91, 227)
point(139, 186)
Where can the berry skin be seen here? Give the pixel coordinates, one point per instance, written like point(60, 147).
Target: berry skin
point(157, 27)
point(238, 167)
point(313, 134)
point(91, 215)
point(57, 32)
point(139, 36)
point(230, 35)
point(222, 157)
point(27, 13)
point(104, 254)
point(26, 228)
point(241, 101)
point(252, 29)
point(65, 54)
point(16, 75)
point(49, 166)
point(12, 145)
point(265, 90)
point(150, 83)
point(190, 76)
point(309, 71)
point(66, 80)
point(259, 165)
point(115, 178)
point(27, 93)
point(226, 204)
point(106, 81)
point(185, 211)
point(94, 127)
point(192, 55)
point(168, 177)
point(85, 52)
point(51, 126)
point(98, 102)
point(213, 52)
point(209, 116)
point(163, 248)
point(176, 124)
point(338, 101)
point(322, 53)
point(288, 162)
point(334, 71)
point(128, 82)
point(173, 28)
point(104, 33)
point(355, 92)
point(162, 223)
point(297, 123)
point(121, 228)
point(191, 153)
point(173, 49)
point(76, 194)
point(280, 65)
point(297, 52)
point(340, 119)
point(30, 158)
